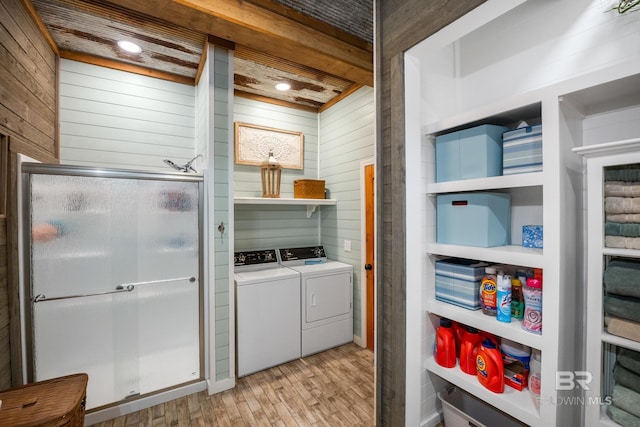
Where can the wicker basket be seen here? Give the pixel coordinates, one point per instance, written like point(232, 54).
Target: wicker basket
point(308, 189)
point(51, 403)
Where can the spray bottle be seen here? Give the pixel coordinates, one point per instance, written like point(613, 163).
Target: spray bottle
point(504, 298)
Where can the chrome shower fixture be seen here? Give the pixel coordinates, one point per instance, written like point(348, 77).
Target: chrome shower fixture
point(186, 168)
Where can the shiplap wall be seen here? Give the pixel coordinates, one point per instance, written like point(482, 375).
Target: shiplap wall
point(247, 178)
point(220, 79)
point(110, 118)
point(212, 119)
point(347, 132)
point(259, 227)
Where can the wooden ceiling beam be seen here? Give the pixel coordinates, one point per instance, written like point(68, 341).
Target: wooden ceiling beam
point(266, 31)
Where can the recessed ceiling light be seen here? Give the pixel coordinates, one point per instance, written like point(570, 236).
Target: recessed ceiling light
point(129, 46)
point(283, 86)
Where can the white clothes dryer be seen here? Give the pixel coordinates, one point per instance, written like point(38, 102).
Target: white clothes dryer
point(267, 311)
point(326, 298)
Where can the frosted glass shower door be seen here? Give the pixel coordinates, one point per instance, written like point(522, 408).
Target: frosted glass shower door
point(115, 283)
point(167, 264)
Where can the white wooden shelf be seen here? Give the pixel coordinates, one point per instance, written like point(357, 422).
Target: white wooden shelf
point(311, 204)
point(511, 108)
point(620, 341)
point(518, 404)
point(627, 253)
point(519, 180)
point(512, 331)
point(609, 148)
point(511, 254)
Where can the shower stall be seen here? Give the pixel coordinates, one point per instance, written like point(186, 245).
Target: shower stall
point(112, 270)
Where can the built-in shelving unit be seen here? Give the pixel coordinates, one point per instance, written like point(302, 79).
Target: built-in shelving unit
point(598, 158)
point(311, 204)
point(518, 404)
point(503, 63)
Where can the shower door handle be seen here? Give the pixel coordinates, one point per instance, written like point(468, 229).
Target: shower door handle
point(119, 289)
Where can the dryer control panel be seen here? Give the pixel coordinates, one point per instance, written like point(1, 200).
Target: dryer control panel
point(301, 254)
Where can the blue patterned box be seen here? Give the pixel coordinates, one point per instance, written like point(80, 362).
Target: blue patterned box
point(458, 282)
point(532, 236)
point(522, 150)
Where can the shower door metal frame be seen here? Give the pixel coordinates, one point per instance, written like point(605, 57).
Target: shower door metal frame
point(29, 169)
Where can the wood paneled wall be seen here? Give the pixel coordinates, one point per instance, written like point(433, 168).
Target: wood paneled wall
point(347, 137)
point(112, 118)
point(400, 25)
point(28, 109)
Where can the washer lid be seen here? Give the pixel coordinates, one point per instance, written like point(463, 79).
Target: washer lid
point(265, 276)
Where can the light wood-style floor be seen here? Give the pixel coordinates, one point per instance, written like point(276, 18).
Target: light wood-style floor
point(333, 388)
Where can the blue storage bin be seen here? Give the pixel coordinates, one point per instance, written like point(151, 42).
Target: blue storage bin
point(522, 150)
point(474, 219)
point(458, 282)
point(469, 153)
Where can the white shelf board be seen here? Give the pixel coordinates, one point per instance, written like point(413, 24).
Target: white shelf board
point(475, 318)
point(629, 253)
point(281, 201)
point(509, 109)
point(518, 180)
point(619, 341)
point(518, 404)
point(511, 254)
point(311, 204)
point(609, 148)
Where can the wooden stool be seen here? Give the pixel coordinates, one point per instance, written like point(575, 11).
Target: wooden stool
point(52, 403)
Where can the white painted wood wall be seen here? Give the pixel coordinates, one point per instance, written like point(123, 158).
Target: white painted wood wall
point(261, 227)
point(110, 118)
point(347, 137)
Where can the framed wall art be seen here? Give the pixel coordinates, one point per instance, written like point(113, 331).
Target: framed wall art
point(254, 143)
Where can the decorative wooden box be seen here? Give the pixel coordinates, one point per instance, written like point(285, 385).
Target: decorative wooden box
point(308, 189)
point(51, 403)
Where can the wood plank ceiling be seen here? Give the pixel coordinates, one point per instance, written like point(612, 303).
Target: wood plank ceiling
point(273, 43)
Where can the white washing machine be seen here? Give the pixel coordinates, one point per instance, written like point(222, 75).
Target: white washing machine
point(326, 298)
point(267, 311)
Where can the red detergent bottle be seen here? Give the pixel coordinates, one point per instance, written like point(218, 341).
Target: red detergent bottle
point(489, 367)
point(458, 333)
point(445, 348)
point(469, 350)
